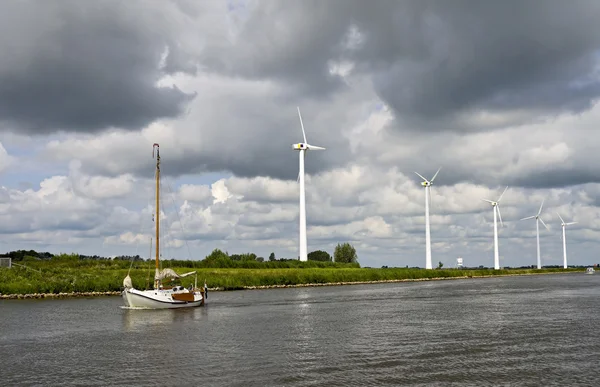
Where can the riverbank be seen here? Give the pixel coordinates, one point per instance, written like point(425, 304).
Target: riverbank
point(401, 280)
point(426, 275)
point(56, 295)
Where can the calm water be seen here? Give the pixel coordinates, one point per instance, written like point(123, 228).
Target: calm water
point(536, 331)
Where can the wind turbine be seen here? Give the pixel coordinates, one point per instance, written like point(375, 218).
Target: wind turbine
point(538, 219)
point(303, 147)
point(496, 208)
point(427, 184)
point(563, 224)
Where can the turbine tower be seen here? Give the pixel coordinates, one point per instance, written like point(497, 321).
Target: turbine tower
point(538, 219)
point(563, 224)
point(427, 184)
point(302, 148)
point(496, 209)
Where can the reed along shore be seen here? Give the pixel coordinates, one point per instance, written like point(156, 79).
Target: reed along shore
point(94, 280)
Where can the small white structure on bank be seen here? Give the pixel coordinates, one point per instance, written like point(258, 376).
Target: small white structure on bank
point(459, 262)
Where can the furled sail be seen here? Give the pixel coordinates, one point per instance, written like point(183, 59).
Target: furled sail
point(169, 273)
point(127, 282)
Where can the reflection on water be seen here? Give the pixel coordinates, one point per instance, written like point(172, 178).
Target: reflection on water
point(136, 319)
point(538, 330)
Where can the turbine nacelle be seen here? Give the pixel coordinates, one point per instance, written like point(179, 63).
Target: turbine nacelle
point(563, 224)
point(492, 203)
point(305, 146)
point(496, 205)
point(567, 224)
point(425, 182)
point(538, 216)
point(497, 202)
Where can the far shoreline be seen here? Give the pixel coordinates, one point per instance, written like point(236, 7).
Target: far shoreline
point(262, 287)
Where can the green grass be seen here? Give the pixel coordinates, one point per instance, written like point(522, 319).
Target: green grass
point(107, 275)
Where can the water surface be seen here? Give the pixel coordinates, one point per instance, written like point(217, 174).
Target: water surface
point(527, 330)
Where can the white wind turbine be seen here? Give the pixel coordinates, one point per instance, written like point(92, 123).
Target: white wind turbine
point(563, 224)
point(427, 184)
point(538, 219)
point(303, 147)
point(496, 208)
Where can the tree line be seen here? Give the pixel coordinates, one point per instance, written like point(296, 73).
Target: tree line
point(343, 253)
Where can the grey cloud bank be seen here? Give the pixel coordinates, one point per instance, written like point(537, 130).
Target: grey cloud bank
point(435, 63)
point(88, 66)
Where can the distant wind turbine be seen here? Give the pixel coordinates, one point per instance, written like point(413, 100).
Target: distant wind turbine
point(496, 209)
point(303, 147)
point(427, 184)
point(538, 219)
point(563, 224)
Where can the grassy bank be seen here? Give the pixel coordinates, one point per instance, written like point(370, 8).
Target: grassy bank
point(107, 276)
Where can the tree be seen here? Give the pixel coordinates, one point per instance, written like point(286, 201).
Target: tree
point(272, 257)
point(345, 253)
point(440, 265)
point(216, 255)
point(248, 257)
point(319, 255)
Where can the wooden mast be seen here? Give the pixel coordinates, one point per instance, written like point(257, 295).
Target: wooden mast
point(156, 146)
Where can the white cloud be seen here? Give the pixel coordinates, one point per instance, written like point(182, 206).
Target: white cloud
point(385, 222)
point(100, 187)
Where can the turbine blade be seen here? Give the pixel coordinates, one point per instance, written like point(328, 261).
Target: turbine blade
point(529, 217)
point(540, 211)
point(502, 194)
point(547, 228)
point(434, 176)
point(298, 179)
point(489, 201)
point(567, 224)
point(422, 177)
point(301, 124)
point(561, 219)
point(499, 216)
point(314, 147)
point(430, 201)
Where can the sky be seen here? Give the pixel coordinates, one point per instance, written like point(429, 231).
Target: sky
point(495, 93)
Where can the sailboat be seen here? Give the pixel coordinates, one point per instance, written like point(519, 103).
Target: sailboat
point(162, 296)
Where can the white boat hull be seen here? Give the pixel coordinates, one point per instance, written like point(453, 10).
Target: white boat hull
point(159, 299)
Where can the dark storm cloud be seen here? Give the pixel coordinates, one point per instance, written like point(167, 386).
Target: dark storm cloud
point(286, 41)
point(431, 61)
point(556, 178)
point(496, 56)
point(86, 66)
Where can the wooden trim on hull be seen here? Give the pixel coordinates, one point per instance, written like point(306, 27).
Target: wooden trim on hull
point(189, 297)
